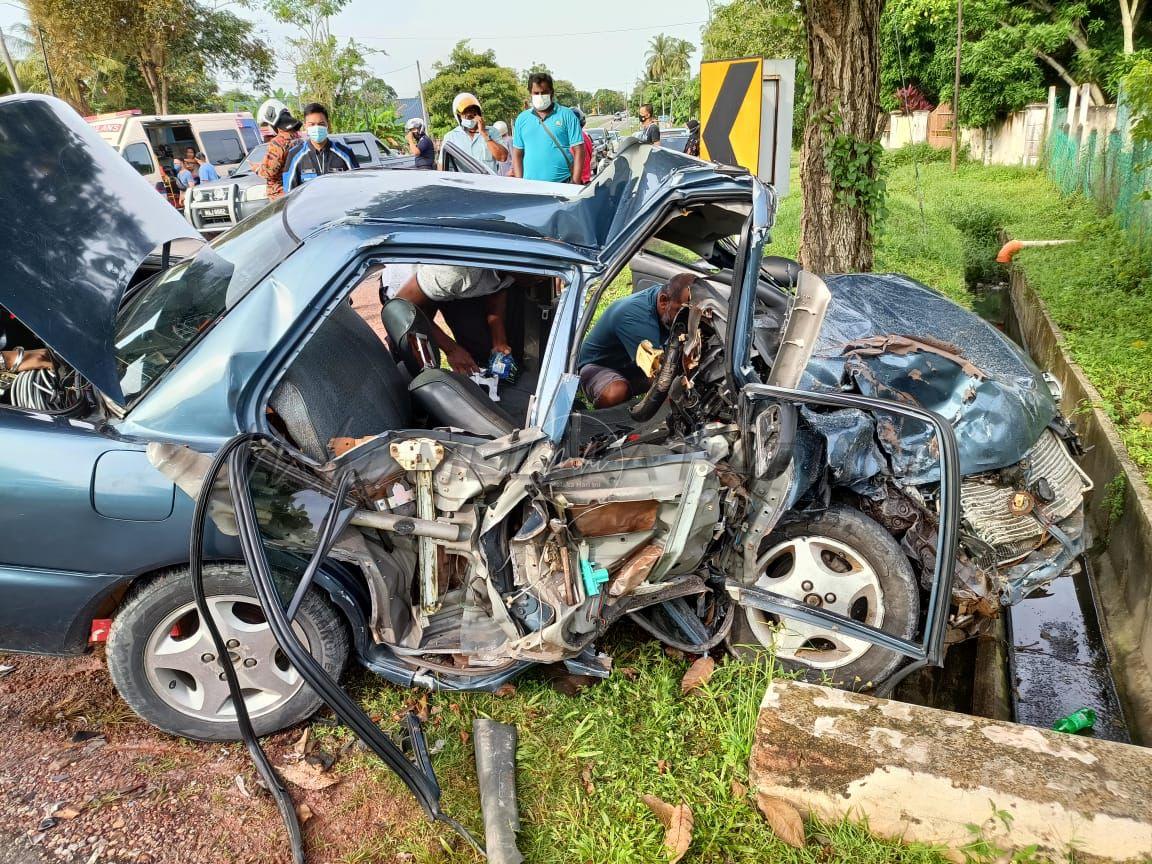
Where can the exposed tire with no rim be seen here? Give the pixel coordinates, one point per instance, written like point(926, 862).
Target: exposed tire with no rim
point(843, 561)
point(163, 662)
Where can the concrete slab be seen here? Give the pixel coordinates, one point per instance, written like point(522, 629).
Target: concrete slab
point(923, 774)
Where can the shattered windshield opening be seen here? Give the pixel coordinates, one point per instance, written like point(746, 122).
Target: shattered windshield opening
point(164, 317)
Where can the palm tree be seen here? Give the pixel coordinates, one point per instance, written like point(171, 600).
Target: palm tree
point(668, 58)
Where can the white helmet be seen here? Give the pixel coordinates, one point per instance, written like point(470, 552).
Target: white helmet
point(462, 101)
point(275, 113)
point(501, 128)
point(414, 123)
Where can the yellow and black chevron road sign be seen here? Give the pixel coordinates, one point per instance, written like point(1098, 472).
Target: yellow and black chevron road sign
point(730, 105)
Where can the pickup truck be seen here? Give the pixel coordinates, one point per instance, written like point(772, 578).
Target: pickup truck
point(217, 206)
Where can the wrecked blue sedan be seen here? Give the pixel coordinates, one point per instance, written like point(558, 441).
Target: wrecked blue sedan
point(848, 471)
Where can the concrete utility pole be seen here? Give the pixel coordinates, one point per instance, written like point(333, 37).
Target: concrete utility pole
point(11, 67)
point(956, 86)
point(423, 105)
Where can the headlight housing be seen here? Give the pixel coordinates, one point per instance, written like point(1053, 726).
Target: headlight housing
point(213, 194)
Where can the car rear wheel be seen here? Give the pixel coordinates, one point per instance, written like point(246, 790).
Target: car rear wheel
point(842, 561)
point(163, 660)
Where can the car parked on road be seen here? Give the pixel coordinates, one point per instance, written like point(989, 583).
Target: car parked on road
point(217, 206)
point(850, 471)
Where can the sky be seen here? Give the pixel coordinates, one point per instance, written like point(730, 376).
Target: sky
point(593, 43)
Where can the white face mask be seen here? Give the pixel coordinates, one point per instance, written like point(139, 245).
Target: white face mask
point(541, 101)
point(468, 123)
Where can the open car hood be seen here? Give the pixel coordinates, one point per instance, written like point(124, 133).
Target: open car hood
point(78, 221)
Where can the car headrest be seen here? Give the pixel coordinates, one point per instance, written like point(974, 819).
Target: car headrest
point(783, 271)
point(410, 333)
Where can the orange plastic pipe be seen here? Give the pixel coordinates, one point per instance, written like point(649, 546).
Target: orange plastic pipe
point(1009, 249)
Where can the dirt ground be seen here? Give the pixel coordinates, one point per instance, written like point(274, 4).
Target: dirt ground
point(81, 779)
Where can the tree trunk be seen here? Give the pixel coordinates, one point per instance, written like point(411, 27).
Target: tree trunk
point(1129, 12)
point(844, 65)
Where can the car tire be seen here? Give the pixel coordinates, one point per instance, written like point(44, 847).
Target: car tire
point(838, 547)
point(161, 658)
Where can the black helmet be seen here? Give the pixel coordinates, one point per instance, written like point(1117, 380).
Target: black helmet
point(693, 125)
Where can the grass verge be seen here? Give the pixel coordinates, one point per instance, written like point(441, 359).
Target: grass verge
point(584, 762)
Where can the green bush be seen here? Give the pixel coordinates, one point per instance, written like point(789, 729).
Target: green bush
point(920, 154)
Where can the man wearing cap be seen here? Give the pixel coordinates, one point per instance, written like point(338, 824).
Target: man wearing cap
point(472, 136)
point(419, 144)
point(276, 159)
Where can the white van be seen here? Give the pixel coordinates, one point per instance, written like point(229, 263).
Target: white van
point(149, 142)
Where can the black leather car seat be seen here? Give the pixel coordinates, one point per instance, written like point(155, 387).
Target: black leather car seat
point(343, 383)
point(447, 398)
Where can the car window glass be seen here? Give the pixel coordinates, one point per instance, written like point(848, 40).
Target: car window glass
point(251, 137)
point(139, 157)
point(157, 323)
point(253, 158)
point(222, 146)
point(359, 147)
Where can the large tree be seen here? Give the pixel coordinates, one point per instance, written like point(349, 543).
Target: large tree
point(843, 194)
point(327, 71)
point(168, 47)
point(497, 87)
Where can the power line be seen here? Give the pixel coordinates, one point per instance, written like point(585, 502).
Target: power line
point(532, 35)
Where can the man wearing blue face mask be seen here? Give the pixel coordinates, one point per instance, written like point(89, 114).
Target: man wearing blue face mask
point(472, 136)
point(317, 154)
point(547, 143)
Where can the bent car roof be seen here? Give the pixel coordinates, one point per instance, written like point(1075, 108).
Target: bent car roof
point(586, 217)
point(481, 202)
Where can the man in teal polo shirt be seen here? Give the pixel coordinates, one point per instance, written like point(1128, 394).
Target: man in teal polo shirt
point(547, 143)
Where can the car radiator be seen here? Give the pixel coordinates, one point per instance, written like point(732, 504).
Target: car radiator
point(993, 512)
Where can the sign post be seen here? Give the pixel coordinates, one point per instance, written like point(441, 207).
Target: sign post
point(746, 115)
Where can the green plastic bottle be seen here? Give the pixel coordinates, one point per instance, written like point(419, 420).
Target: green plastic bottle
point(1077, 721)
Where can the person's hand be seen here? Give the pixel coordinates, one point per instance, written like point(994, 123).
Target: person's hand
point(461, 361)
point(480, 127)
point(502, 347)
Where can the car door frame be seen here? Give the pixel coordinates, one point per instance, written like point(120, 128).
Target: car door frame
point(929, 648)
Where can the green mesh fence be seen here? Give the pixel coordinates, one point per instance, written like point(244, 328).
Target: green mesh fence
point(1105, 168)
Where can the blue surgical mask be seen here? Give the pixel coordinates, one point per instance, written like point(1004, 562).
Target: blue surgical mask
point(468, 123)
point(318, 134)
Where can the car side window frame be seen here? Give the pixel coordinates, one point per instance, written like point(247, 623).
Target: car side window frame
point(339, 290)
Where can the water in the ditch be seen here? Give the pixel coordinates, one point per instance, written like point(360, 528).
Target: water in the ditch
point(1057, 659)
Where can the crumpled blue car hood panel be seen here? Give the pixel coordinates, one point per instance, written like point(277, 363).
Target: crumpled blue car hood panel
point(997, 401)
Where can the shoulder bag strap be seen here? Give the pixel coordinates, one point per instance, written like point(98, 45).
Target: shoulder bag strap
point(563, 150)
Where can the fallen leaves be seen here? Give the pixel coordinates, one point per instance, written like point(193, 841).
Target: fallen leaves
point(504, 691)
point(677, 821)
point(1144, 418)
point(782, 818)
point(307, 775)
point(303, 813)
point(739, 790)
point(586, 778)
point(66, 811)
point(698, 674)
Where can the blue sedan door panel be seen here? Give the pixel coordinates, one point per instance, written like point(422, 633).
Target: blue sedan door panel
point(82, 513)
